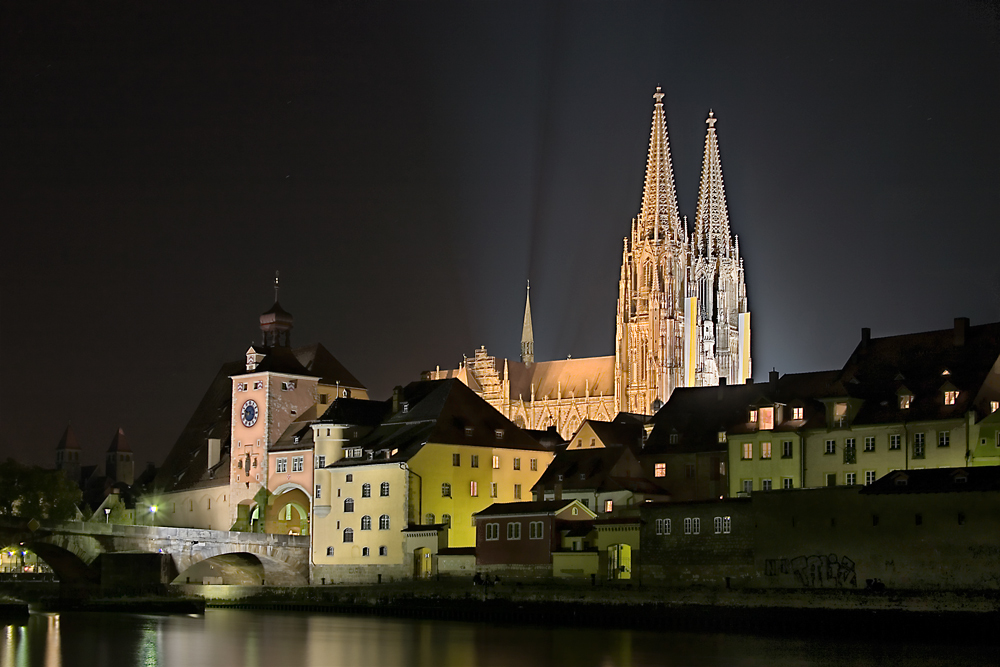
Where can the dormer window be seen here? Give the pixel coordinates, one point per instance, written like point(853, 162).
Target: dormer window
point(498, 434)
point(901, 481)
point(798, 413)
point(288, 386)
point(994, 406)
point(766, 419)
point(753, 417)
point(960, 477)
point(946, 372)
point(905, 400)
point(950, 397)
point(469, 431)
point(722, 436)
point(675, 438)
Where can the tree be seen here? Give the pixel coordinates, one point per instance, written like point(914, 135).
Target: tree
point(30, 492)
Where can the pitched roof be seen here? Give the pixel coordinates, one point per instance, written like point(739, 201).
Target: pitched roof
point(937, 480)
point(572, 377)
point(68, 440)
point(356, 412)
point(186, 464)
point(528, 507)
point(592, 469)
point(444, 412)
point(318, 361)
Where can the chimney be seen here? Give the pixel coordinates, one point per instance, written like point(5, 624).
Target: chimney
point(866, 336)
point(749, 380)
point(214, 451)
point(558, 490)
point(961, 329)
point(397, 398)
point(722, 388)
point(772, 377)
point(722, 382)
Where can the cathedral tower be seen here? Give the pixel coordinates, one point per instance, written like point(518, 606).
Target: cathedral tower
point(527, 335)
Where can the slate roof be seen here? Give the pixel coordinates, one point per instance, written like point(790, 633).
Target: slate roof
point(618, 434)
point(356, 412)
point(186, 465)
point(528, 507)
point(318, 361)
point(937, 480)
point(591, 469)
point(439, 411)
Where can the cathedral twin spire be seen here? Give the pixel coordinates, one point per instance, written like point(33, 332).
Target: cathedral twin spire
point(711, 225)
point(658, 217)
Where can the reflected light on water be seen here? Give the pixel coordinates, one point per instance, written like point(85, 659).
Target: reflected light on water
point(53, 650)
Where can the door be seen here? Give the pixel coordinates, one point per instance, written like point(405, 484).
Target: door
point(619, 561)
point(422, 563)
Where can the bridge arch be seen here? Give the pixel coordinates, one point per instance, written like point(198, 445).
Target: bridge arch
point(288, 513)
point(241, 568)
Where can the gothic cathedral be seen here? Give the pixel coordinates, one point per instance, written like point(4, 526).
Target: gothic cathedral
point(682, 317)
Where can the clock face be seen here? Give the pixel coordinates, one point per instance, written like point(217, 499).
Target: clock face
point(249, 413)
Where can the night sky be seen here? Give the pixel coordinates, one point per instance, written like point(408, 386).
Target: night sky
point(408, 166)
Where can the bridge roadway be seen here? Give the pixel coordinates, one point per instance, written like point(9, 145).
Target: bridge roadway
point(74, 550)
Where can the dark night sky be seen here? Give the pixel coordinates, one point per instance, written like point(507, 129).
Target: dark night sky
point(408, 166)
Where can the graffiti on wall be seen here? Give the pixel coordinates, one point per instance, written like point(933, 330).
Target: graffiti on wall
point(821, 571)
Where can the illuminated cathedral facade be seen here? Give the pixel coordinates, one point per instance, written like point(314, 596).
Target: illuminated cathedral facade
point(682, 316)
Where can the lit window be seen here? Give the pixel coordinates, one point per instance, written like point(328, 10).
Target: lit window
point(994, 406)
point(950, 397)
point(492, 531)
point(786, 449)
point(474, 461)
point(517, 463)
point(797, 413)
point(493, 490)
point(831, 447)
point(366, 522)
point(348, 535)
point(869, 443)
point(496, 463)
point(514, 530)
point(383, 551)
point(869, 477)
point(753, 416)
point(765, 450)
point(722, 436)
point(904, 401)
point(517, 492)
point(918, 445)
point(747, 451)
point(456, 459)
point(786, 483)
point(535, 530)
point(850, 478)
point(727, 525)
point(765, 485)
point(366, 490)
point(446, 490)
point(660, 470)
point(766, 419)
point(894, 441)
point(609, 506)
point(384, 490)
point(534, 464)
point(348, 504)
point(944, 438)
point(840, 413)
point(473, 489)
point(383, 522)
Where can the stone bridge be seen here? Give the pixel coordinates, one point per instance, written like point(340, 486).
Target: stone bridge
point(109, 555)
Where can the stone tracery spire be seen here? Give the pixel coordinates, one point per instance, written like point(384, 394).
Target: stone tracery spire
point(659, 198)
point(711, 224)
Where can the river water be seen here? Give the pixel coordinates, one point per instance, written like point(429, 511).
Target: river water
point(224, 638)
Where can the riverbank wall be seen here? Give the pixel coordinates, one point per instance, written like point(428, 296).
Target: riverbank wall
point(925, 617)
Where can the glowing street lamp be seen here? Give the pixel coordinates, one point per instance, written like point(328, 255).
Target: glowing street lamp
point(107, 515)
point(152, 510)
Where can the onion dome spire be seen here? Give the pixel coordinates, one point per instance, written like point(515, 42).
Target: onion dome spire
point(711, 224)
point(527, 335)
point(659, 216)
point(276, 323)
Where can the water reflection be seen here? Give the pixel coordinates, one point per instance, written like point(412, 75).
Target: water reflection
point(224, 638)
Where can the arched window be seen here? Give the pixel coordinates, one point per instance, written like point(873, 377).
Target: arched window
point(446, 520)
point(365, 551)
point(348, 535)
point(383, 522)
point(384, 491)
point(429, 520)
point(366, 490)
point(446, 490)
point(329, 551)
point(366, 522)
point(348, 504)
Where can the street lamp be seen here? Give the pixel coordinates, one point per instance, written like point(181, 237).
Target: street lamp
point(152, 510)
point(107, 515)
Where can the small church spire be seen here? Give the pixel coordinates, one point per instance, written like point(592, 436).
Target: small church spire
point(276, 273)
point(276, 324)
point(527, 335)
